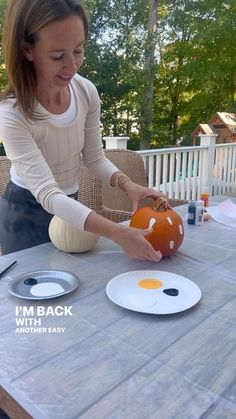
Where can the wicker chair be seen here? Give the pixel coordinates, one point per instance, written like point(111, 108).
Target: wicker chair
point(5, 166)
point(116, 205)
point(110, 202)
point(90, 189)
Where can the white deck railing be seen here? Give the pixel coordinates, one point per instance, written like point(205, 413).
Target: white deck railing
point(183, 172)
point(175, 171)
point(224, 170)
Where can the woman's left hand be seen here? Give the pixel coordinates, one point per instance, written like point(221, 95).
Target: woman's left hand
point(137, 192)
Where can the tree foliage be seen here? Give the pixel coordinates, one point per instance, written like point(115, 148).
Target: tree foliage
point(196, 74)
point(193, 65)
point(114, 54)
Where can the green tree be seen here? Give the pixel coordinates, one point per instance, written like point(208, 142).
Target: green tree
point(112, 61)
point(196, 72)
point(149, 70)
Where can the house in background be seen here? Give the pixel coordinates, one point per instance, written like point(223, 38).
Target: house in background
point(223, 124)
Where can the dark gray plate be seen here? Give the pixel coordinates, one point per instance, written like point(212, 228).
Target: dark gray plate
point(56, 283)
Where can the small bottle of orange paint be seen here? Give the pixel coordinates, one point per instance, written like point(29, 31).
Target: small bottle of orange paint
point(204, 196)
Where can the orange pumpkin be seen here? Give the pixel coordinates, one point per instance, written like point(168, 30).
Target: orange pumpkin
point(168, 231)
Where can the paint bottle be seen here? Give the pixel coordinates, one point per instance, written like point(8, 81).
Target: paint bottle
point(204, 196)
point(191, 218)
point(199, 212)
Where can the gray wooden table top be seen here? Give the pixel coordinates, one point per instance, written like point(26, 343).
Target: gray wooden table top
point(119, 364)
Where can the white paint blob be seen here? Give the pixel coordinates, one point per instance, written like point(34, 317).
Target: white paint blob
point(151, 222)
point(140, 299)
point(181, 229)
point(172, 243)
point(46, 289)
point(170, 221)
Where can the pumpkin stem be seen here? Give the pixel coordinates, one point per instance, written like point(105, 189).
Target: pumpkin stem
point(160, 204)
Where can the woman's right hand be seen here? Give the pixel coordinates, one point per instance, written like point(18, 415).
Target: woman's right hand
point(133, 242)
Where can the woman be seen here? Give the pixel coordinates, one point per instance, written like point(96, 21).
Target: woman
point(49, 120)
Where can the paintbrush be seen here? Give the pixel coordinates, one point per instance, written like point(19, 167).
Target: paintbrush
point(7, 268)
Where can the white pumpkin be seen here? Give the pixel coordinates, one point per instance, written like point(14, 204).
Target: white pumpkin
point(69, 238)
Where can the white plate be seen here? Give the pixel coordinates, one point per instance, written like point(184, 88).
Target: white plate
point(129, 290)
point(43, 285)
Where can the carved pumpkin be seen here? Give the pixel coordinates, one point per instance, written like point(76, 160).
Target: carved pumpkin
point(168, 231)
point(69, 238)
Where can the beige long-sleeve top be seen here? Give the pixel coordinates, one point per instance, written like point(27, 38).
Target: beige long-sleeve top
point(46, 157)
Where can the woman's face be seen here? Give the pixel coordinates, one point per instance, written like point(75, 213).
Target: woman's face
point(58, 52)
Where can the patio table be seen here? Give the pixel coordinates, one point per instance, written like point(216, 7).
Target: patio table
point(104, 361)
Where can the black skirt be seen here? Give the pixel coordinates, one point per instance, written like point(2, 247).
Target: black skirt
point(23, 221)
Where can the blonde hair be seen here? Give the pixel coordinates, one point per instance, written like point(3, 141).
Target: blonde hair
point(24, 18)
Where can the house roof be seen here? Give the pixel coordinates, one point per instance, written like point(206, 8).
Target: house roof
point(207, 129)
point(204, 129)
point(228, 119)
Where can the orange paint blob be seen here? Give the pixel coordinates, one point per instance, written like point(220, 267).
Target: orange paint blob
point(150, 283)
